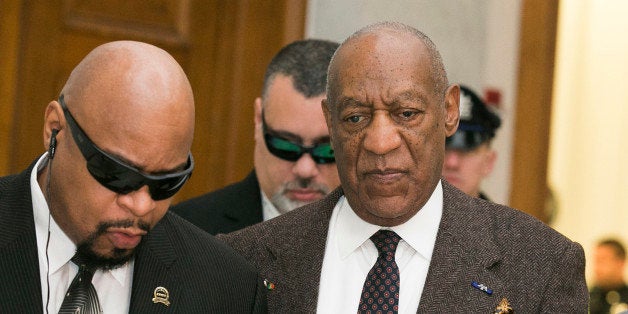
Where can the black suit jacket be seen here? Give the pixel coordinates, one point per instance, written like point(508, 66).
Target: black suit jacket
point(201, 274)
point(229, 209)
point(536, 269)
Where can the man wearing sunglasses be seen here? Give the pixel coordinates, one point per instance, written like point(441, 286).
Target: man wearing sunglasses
point(294, 162)
point(86, 228)
point(469, 157)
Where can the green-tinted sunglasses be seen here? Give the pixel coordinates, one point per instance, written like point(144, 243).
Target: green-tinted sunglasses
point(321, 153)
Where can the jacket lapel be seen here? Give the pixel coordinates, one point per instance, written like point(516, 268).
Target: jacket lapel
point(249, 210)
point(298, 262)
point(155, 288)
point(19, 264)
point(464, 260)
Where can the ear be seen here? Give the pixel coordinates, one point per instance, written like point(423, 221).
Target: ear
point(327, 113)
point(452, 109)
point(489, 162)
point(257, 114)
point(53, 118)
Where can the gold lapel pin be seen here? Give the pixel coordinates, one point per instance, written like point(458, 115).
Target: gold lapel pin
point(161, 295)
point(504, 307)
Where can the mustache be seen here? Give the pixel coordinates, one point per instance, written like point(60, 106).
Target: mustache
point(102, 227)
point(119, 256)
point(305, 184)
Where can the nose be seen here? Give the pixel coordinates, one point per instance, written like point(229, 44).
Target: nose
point(305, 167)
point(138, 202)
point(382, 135)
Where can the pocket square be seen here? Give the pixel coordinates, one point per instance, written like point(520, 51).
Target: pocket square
point(504, 307)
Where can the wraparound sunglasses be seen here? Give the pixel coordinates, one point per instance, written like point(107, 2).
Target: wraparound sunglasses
point(285, 149)
point(118, 176)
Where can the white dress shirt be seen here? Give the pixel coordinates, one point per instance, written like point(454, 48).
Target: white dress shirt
point(269, 211)
point(349, 255)
point(56, 271)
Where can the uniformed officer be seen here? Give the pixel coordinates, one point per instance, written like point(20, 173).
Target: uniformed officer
point(469, 157)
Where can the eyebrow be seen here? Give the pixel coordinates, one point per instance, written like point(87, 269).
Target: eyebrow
point(291, 136)
point(406, 95)
point(410, 95)
point(346, 101)
point(295, 137)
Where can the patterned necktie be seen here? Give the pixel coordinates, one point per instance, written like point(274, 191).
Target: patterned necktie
point(81, 296)
point(380, 293)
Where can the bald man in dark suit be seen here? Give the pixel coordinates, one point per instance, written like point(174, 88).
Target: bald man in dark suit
point(86, 228)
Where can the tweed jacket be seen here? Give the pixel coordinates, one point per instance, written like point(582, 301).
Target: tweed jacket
point(225, 210)
point(201, 274)
point(520, 259)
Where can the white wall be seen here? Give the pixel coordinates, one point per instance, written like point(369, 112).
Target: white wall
point(588, 167)
point(477, 39)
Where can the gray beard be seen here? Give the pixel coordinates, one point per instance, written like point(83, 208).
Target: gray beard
point(284, 204)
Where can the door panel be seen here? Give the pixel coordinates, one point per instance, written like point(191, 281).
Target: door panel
point(224, 47)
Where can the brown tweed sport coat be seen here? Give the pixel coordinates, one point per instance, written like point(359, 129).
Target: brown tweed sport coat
point(515, 256)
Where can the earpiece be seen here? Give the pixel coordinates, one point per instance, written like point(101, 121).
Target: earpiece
point(51, 153)
point(53, 143)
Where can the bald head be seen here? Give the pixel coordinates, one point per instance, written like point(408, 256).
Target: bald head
point(127, 66)
point(378, 38)
point(135, 104)
point(134, 92)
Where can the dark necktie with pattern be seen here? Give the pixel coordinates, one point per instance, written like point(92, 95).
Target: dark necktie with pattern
point(380, 293)
point(81, 296)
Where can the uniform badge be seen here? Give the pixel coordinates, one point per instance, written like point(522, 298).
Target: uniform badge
point(161, 295)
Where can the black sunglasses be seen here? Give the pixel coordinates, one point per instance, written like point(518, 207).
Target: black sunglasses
point(117, 175)
point(285, 149)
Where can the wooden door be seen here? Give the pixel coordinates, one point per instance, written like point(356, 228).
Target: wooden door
point(223, 45)
point(537, 46)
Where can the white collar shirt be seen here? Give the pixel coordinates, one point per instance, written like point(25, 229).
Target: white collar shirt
point(269, 211)
point(349, 255)
point(56, 271)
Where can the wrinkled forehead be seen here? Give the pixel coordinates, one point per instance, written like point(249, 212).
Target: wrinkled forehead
point(386, 62)
point(381, 46)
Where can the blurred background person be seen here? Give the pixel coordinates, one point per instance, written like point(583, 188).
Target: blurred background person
point(609, 293)
point(293, 159)
point(469, 157)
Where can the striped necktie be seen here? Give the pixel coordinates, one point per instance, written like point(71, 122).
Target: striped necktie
point(81, 296)
point(380, 293)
